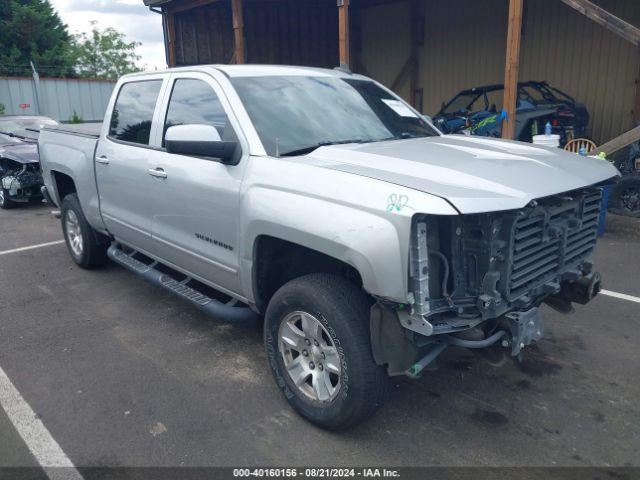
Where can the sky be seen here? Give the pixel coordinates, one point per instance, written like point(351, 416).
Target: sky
point(130, 17)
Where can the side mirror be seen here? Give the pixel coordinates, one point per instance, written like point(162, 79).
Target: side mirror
point(198, 140)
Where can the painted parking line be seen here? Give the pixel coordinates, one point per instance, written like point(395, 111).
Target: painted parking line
point(622, 296)
point(35, 435)
point(31, 247)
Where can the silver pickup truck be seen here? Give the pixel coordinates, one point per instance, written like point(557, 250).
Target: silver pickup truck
point(319, 202)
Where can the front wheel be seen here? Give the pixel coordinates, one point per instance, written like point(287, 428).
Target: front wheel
point(5, 200)
point(318, 345)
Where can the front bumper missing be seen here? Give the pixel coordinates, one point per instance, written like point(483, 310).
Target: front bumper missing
point(406, 346)
point(517, 330)
point(404, 353)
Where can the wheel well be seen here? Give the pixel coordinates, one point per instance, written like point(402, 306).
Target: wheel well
point(64, 184)
point(278, 261)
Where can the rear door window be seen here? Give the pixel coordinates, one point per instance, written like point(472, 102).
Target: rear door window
point(133, 113)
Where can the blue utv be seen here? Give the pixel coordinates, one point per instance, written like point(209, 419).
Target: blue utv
point(478, 111)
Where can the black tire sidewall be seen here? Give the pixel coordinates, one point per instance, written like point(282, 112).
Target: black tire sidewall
point(337, 413)
point(619, 190)
point(71, 202)
point(7, 204)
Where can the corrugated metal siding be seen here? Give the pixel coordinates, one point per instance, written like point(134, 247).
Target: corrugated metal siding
point(386, 38)
point(59, 98)
point(465, 45)
point(592, 64)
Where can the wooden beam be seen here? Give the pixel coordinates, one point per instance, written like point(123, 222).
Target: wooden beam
point(343, 32)
point(619, 142)
point(171, 39)
point(606, 19)
point(175, 7)
point(238, 30)
point(512, 67)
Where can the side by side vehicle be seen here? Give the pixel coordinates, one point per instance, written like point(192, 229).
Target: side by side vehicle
point(319, 202)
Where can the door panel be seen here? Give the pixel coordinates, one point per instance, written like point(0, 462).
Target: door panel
point(196, 207)
point(195, 218)
point(122, 163)
point(124, 192)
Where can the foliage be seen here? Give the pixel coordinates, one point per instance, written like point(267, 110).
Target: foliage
point(75, 118)
point(31, 30)
point(2, 108)
point(104, 54)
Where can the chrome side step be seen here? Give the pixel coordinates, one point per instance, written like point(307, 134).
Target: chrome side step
point(224, 312)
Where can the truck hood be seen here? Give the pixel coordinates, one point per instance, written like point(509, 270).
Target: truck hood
point(474, 174)
point(20, 152)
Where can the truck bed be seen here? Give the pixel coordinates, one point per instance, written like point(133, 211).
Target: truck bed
point(67, 151)
point(83, 129)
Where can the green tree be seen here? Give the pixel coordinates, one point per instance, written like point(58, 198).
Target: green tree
point(104, 54)
point(31, 30)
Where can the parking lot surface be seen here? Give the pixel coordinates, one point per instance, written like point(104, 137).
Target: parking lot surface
point(124, 374)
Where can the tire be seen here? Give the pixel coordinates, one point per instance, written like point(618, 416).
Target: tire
point(625, 198)
point(342, 311)
point(5, 200)
point(87, 247)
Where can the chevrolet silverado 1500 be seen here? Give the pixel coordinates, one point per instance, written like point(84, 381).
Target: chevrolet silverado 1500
point(321, 203)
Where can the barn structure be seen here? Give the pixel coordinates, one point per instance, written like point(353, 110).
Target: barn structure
point(428, 50)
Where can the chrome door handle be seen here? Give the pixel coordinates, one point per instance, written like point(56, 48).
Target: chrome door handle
point(103, 160)
point(157, 172)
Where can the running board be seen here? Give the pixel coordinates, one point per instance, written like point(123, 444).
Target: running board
point(224, 312)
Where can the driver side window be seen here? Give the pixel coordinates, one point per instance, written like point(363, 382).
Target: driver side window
point(194, 102)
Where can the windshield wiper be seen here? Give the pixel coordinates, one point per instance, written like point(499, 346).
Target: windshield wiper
point(315, 146)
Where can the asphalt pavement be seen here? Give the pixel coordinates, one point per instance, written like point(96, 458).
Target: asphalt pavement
point(122, 374)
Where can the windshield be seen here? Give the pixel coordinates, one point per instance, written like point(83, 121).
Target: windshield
point(295, 114)
point(15, 125)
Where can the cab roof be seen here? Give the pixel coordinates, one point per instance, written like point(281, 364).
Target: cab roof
point(249, 70)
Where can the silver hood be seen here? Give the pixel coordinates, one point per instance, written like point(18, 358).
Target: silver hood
point(474, 174)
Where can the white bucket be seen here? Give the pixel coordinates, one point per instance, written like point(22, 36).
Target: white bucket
point(547, 140)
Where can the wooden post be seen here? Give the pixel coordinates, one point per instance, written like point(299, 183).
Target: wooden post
point(238, 30)
point(171, 39)
point(343, 31)
point(511, 68)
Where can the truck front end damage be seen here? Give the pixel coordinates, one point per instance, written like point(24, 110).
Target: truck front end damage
point(478, 280)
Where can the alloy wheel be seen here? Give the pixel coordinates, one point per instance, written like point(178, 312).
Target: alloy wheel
point(74, 233)
point(310, 356)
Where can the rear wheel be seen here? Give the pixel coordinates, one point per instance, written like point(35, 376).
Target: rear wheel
point(318, 345)
point(5, 199)
point(87, 247)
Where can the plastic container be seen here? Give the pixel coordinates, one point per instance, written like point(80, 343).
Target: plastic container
point(547, 140)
